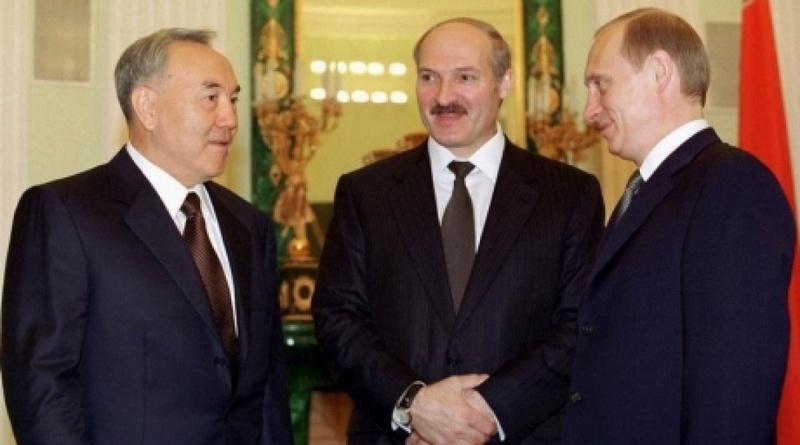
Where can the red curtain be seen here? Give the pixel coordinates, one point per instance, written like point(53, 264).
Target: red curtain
point(762, 131)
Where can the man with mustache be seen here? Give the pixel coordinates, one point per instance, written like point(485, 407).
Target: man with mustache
point(140, 300)
point(451, 275)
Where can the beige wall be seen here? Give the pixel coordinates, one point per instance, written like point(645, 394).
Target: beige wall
point(65, 134)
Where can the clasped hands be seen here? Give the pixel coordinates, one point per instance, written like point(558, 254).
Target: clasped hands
point(451, 411)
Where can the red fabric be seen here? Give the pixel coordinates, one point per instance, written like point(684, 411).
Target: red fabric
point(762, 131)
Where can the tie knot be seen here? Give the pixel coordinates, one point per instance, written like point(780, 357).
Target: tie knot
point(460, 168)
point(191, 206)
point(634, 182)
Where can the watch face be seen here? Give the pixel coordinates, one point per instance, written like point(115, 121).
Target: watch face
point(401, 417)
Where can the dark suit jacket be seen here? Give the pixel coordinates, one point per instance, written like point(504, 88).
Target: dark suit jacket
point(108, 336)
point(684, 329)
point(383, 310)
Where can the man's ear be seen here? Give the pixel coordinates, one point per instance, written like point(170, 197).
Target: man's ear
point(504, 86)
point(143, 100)
point(662, 69)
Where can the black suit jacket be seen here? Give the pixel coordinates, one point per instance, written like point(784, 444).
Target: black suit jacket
point(685, 326)
point(107, 332)
point(383, 310)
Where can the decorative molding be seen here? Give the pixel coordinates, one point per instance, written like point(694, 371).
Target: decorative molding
point(62, 41)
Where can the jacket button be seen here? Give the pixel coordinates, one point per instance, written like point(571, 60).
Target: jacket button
point(575, 398)
point(220, 361)
point(453, 361)
point(587, 329)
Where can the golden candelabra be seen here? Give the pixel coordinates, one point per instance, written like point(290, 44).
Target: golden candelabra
point(561, 140)
point(291, 132)
point(551, 121)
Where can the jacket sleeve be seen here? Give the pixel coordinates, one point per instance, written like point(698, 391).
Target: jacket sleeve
point(533, 386)
point(43, 321)
point(344, 328)
point(737, 262)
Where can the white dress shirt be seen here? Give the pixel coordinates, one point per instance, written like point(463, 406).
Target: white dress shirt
point(480, 184)
point(480, 181)
point(668, 145)
point(173, 194)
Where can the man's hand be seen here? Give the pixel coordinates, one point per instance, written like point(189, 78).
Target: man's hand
point(414, 439)
point(441, 413)
point(476, 400)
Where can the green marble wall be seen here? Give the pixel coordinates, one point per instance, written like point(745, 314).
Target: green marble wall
point(544, 58)
point(272, 41)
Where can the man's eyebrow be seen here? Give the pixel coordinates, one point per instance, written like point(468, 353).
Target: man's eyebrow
point(594, 78)
point(216, 85)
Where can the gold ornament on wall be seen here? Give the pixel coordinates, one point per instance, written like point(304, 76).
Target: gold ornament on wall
point(551, 117)
point(291, 131)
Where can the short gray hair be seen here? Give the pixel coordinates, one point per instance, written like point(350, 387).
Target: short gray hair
point(148, 56)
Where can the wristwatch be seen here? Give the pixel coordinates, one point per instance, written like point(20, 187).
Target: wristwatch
point(402, 411)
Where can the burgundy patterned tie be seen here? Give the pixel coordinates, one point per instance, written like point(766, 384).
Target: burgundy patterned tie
point(458, 233)
point(211, 272)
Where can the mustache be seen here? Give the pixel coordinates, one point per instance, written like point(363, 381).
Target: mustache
point(449, 109)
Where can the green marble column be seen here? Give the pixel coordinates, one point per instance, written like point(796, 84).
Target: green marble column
point(272, 55)
point(544, 59)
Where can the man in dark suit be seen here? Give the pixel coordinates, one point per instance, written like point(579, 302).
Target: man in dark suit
point(108, 330)
point(488, 363)
point(684, 330)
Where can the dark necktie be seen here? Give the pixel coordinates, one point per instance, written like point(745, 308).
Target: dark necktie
point(631, 189)
point(211, 272)
point(458, 233)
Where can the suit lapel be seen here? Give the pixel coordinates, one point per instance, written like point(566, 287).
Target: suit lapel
point(513, 200)
point(650, 195)
point(147, 218)
point(414, 204)
point(237, 246)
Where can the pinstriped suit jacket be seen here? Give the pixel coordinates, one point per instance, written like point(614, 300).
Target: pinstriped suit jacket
point(382, 307)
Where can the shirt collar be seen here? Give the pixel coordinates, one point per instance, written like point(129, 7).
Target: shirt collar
point(668, 145)
point(486, 159)
point(169, 189)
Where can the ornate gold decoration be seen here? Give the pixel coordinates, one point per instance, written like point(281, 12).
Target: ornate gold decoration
point(291, 131)
point(551, 121)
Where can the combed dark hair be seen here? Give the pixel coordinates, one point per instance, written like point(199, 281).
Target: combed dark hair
point(501, 53)
point(147, 57)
